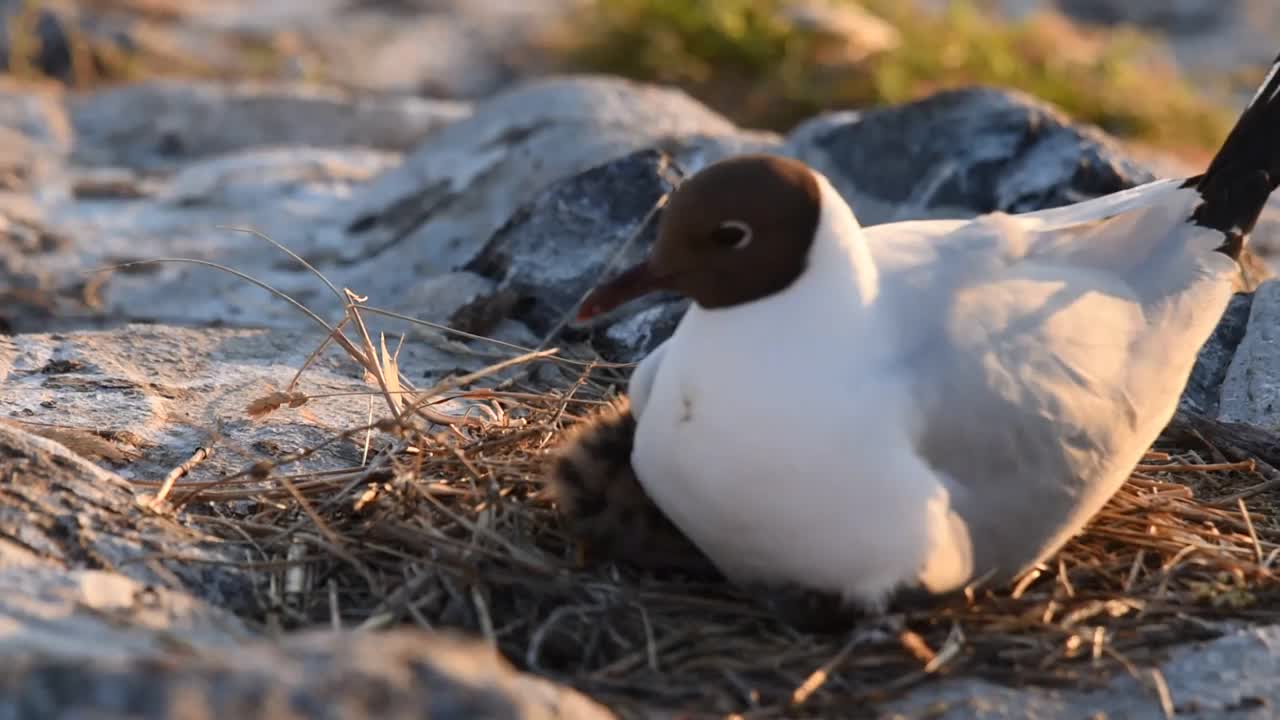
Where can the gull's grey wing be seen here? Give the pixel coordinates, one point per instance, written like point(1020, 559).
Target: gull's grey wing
point(1038, 383)
point(1045, 352)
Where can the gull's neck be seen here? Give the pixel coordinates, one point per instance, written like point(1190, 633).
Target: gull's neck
point(839, 261)
point(839, 280)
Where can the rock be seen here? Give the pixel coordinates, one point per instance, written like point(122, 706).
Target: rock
point(462, 300)
point(162, 404)
point(1178, 16)
point(639, 332)
point(960, 153)
point(542, 131)
point(430, 215)
point(1204, 390)
point(95, 615)
point(439, 209)
point(101, 614)
point(240, 181)
point(277, 191)
point(23, 165)
point(1229, 676)
point(1251, 387)
point(554, 250)
point(160, 125)
point(61, 511)
point(404, 674)
point(36, 114)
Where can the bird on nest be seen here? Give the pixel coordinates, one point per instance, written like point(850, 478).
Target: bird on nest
point(906, 409)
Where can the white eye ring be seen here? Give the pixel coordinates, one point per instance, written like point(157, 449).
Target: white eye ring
point(745, 230)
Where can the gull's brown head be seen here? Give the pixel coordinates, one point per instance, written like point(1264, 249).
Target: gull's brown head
point(737, 231)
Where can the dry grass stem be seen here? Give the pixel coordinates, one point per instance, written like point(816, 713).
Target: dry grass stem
point(166, 485)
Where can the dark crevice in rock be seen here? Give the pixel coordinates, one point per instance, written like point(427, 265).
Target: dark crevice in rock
point(405, 214)
point(516, 134)
point(1204, 388)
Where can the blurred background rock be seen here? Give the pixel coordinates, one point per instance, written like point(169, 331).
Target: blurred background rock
point(1152, 70)
point(1165, 76)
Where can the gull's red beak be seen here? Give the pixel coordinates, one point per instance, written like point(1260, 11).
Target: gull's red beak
point(634, 282)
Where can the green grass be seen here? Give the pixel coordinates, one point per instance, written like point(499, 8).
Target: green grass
point(745, 59)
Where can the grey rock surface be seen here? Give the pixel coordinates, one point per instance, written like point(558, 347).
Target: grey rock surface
point(1178, 16)
point(104, 616)
point(1205, 392)
point(109, 611)
point(404, 674)
point(450, 48)
point(62, 511)
point(157, 407)
point(1251, 387)
point(165, 124)
point(962, 152)
point(438, 209)
point(554, 250)
point(371, 219)
point(1226, 677)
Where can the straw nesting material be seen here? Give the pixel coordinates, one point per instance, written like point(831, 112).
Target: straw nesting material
point(449, 526)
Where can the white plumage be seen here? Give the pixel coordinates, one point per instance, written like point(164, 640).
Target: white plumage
point(931, 403)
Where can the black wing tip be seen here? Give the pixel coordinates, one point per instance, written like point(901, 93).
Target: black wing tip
point(1245, 171)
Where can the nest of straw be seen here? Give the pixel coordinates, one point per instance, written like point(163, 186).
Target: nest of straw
point(449, 526)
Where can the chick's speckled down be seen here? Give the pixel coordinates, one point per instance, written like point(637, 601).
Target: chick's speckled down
point(605, 508)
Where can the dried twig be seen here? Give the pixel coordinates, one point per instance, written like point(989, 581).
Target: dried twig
point(166, 485)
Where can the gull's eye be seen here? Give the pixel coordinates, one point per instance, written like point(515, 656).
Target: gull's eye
point(732, 234)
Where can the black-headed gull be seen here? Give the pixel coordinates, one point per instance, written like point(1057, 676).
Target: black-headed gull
point(922, 404)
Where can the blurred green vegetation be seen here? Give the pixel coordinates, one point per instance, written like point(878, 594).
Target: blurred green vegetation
point(84, 60)
point(751, 61)
point(748, 60)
